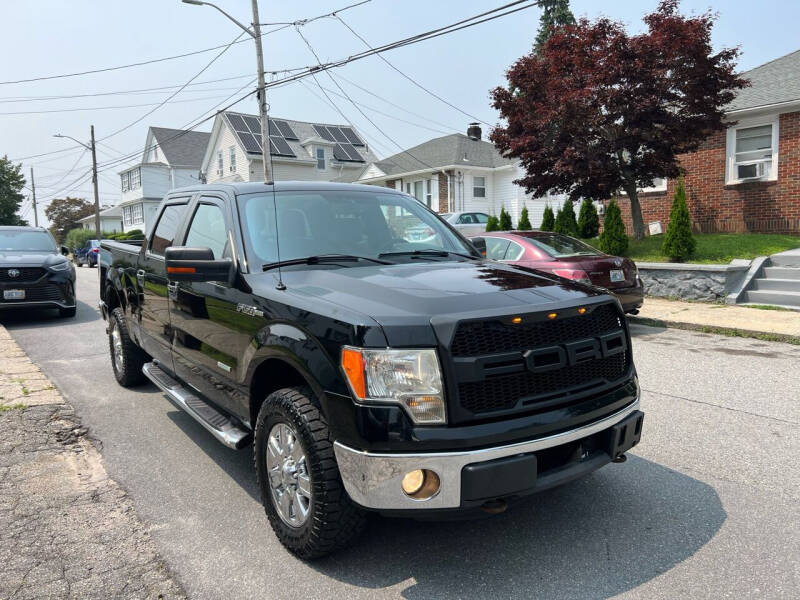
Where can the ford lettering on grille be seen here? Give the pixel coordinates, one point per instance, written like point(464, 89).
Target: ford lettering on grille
point(572, 353)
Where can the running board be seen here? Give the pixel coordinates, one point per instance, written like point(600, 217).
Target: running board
point(220, 426)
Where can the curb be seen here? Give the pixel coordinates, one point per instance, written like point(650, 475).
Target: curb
point(727, 331)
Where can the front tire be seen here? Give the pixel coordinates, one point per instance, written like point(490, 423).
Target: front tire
point(301, 489)
point(127, 358)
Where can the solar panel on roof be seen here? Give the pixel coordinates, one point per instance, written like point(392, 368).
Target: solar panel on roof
point(250, 142)
point(286, 130)
point(272, 128)
point(352, 152)
point(351, 136)
point(238, 123)
point(281, 146)
point(339, 153)
point(338, 135)
point(253, 123)
point(323, 132)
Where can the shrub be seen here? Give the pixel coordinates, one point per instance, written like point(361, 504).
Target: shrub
point(77, 238)
point(548, 219)
point(613, 240)
point(565, 220)
point(505, 220)
point(524, 221)
point(493, 224)
point(588, 221)
point(134, 234)
point(679, 243)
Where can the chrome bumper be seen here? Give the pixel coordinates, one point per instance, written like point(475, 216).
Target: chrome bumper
point(373, 480)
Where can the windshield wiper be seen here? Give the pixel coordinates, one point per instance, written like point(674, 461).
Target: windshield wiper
point(427, 252)
point(322, 259)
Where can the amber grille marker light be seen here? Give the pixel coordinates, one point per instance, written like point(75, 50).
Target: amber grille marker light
point(516, 320)
point(582, 310)
point(353, 365)
point(552, 315)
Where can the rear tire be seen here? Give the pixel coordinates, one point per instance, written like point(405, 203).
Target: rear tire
point(127, 358)
point(325, 519)
point(68, 312)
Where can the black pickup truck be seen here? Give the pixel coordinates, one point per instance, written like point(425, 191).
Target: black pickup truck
point(370, 371)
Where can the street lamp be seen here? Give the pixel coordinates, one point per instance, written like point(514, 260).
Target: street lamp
point(255, 33)
point(94, 177)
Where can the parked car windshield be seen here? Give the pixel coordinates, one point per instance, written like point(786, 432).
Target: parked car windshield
point(26, 241)
point(559, 246)
point(359, 223)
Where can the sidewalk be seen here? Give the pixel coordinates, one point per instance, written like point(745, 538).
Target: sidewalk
point(780, 325)
point(66, 529)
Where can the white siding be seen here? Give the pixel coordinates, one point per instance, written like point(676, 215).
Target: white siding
point(372, 171)
point(224, 141)
point(286, 171)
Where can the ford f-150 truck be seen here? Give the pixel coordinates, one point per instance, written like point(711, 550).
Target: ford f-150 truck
point(370, 372)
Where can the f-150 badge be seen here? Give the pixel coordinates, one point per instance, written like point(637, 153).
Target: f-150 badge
point(249, 310)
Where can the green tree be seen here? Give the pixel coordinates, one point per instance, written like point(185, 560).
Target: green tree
point(505, 220)
point(565, 220)
point(588, 221)
point(555, 13)
point(679, 243)
point(11, 183)
point(524, 221)
point(64, 214)
point(613, 240)
point(548, 219)
point(493, 224)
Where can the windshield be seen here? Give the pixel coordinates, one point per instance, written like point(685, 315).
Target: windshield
point(559, 246)
point(316, 223)
point(26, 241)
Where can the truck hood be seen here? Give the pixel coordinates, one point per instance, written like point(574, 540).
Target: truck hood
point(422, 292)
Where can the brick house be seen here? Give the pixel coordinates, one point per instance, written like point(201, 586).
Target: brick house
point(747, 177)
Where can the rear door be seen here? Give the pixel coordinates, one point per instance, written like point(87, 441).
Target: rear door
point(151, 278)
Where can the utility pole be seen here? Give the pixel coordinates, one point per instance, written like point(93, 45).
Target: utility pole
point(94, 183)
point(33, 191)
point(255, 33)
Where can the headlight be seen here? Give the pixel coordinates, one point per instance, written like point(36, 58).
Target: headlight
point(410, 378)
point(62, 266)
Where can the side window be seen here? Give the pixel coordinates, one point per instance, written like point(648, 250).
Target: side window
point(482, 217)
point(514, 252)
point(167, 226)
point(208, 230)
point(496, 248)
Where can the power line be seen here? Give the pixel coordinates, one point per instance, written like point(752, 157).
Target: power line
point(67, 173)
point(115, 107)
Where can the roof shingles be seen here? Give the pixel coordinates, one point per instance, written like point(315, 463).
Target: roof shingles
point(774, 82)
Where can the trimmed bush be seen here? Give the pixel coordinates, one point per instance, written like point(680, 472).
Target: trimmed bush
point(548, 219)
point(679, 243)
point(524, 221)
point(134, 234)
point(588, 221)
point(493, 224)
point(505, 220)
point(77, 238)
point(565, 220)
point(613, 240)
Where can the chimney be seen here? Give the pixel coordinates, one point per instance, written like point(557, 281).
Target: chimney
point(474, 132)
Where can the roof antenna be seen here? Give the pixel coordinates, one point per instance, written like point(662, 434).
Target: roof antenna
point(281, 286)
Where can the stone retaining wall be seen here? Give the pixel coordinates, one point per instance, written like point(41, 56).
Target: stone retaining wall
point(691, 281)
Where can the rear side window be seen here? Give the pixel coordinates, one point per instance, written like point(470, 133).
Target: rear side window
point(514, 252)
point(482, 217)
point(208, 230)
point(167, 227)
point(496, 248)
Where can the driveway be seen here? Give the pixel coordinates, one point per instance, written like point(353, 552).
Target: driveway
point(706, 506)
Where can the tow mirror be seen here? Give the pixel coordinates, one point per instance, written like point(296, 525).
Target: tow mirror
point(196, 264)
point(480, 245)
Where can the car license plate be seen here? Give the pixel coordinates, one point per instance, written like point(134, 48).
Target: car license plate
point(617, 275)
point(13, 294)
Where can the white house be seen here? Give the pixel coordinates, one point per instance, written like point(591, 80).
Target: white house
point(110, 220)
point(299, 150)
point(171, 159)
point(456, 173)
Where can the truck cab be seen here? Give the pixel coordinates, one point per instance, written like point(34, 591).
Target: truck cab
point(368, 369)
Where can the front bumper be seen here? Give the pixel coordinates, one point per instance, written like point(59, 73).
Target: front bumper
point(373, 480)
point(53, 290)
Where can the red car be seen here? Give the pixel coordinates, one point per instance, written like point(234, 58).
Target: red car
point(570, 258)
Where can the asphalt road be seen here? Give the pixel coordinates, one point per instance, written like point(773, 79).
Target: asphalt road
point(705, 507)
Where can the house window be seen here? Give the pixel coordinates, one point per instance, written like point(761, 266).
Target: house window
point(321, 159)
point(408, 189)
point(135, 178)
point(479, 187)
point(418, 190)
point(219, 162)
point(126, 181)
point(232, 166)
point(752, 152)
point(133, 214)
point(428, 192)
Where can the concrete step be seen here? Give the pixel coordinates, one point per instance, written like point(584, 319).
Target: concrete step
point(772, 297)
point(778, 285)
point(781, 273)
point(790, 258)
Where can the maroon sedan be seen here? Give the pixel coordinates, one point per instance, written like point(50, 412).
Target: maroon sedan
point(569, 258)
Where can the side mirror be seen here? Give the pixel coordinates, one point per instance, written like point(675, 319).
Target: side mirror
point(196, 264)
point(480, 245)
point(64, 250)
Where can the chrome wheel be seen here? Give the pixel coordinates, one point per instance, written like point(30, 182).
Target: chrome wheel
point(116, 347)
point(288, 475)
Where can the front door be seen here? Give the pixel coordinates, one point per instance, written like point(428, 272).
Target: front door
point(151, 276)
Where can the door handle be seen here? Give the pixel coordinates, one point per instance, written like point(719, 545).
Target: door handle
point(140, 274)
point(172, 287)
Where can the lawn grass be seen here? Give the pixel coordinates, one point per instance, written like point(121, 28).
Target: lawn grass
point(715, 248)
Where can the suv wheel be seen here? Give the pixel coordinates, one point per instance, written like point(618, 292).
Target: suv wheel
point(301, 489)
point(127, 358)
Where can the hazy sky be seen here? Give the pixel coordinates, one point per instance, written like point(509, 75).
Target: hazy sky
point(49, 37)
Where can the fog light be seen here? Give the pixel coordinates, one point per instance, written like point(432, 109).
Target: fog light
point(420, 484)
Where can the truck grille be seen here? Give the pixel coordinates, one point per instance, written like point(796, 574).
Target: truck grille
point(26, 274)
point(517, 389)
